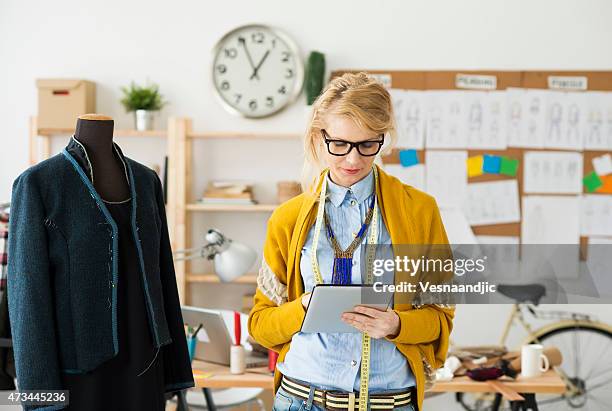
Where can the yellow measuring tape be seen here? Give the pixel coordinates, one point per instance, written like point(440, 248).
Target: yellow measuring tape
point(372, 239)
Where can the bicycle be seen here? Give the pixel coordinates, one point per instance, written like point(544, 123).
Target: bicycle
point(584, 343)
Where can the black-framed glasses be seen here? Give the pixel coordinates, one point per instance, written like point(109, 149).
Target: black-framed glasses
point(366, 148)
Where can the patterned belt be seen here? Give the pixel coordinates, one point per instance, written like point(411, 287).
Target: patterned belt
point(336, 400)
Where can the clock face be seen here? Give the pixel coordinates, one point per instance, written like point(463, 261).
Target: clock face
point(257, 71)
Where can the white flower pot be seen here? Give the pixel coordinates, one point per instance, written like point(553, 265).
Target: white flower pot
point(144, 119)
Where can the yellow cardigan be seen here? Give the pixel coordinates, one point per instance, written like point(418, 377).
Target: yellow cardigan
point(411, 217)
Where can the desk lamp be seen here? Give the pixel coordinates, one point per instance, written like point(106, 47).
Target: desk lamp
point(231, 259)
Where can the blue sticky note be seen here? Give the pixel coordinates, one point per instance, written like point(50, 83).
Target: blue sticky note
point(491, 164)
point(408, 158)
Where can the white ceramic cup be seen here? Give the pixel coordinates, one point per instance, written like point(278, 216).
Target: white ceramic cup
point(533, 362)
point(237, 359)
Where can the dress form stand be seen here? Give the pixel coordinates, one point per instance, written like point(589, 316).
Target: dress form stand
point(95, 132)
point(132, 380)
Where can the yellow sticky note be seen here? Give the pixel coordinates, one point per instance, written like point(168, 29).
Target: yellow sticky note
point(474, 166)
point(606, 187)
point(201, 374)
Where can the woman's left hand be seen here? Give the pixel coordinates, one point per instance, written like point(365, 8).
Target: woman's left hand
point(377, 323)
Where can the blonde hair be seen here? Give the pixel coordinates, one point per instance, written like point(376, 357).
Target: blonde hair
point(359, 97)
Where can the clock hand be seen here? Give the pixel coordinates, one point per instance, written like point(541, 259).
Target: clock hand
point(243, 42)
point(259, 65)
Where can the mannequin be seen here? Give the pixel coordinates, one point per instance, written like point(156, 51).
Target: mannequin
point(93, 301)
point(95, 132)
point(137, 368)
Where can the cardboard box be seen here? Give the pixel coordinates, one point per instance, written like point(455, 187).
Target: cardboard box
point(61, 101)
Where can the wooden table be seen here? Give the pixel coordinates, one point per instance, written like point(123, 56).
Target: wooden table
point(207, 376)
point(548, 383)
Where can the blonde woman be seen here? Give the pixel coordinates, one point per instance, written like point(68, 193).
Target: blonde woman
point(355, 202)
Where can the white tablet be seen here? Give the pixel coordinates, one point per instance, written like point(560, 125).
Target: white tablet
point(329, 301)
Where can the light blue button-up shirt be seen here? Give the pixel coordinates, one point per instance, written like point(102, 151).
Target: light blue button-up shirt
point(332, 360)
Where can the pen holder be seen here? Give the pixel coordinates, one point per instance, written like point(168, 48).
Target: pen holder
point(237, 359)
point(191, 347)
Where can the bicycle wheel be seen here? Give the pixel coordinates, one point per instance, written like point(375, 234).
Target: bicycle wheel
point(587, 362)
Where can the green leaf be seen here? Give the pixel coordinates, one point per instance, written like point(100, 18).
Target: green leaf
point(136, 97)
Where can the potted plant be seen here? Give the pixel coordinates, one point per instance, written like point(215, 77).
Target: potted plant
point(144, 102)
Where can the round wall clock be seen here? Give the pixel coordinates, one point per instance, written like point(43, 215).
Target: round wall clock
point(257, 71)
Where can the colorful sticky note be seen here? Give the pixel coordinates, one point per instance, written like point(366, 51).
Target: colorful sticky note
point(603, 164)
point(201, 374)
point(592, 182)
point(474, 166)
point(408, 158)
point(491, 164)
point(508, 166)
point(606, 186)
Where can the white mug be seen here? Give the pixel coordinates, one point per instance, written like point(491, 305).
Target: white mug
point(237, 359)
point(533, 362)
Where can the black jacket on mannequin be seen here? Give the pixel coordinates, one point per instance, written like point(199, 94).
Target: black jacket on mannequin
point(62, 272)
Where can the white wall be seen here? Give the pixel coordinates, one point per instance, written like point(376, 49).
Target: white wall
point(114, 42)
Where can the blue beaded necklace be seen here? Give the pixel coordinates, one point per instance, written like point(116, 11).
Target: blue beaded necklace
point(343, 259)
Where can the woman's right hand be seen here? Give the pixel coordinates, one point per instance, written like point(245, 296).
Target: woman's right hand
point(306, 300)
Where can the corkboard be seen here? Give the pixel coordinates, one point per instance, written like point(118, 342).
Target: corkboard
point(445, 80)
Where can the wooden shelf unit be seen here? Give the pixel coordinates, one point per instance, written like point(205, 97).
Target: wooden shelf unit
point(250, 278)
point(41, 136)
point(181, 208)
point(253, 208)
point(222, 135)
point(179, 211)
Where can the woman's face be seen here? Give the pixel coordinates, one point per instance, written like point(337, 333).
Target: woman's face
point(349, 169)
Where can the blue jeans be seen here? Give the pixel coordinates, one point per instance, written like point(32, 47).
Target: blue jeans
point(284, 401)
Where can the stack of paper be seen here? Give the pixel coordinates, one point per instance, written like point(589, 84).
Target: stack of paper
point(224, 192)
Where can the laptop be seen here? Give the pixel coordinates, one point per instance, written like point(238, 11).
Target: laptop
point(214, 339)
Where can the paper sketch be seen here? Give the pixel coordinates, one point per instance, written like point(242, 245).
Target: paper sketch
point(526, 117)
point(413, 175)
point(486, 120)
point(494, 202)
point(446, 119)
point(550, 220)
point(598, 121)
point(564, 120)
point(596, 215)
point(446, 177)
point(457, 227)
point(552, 172)
point(409, 117)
